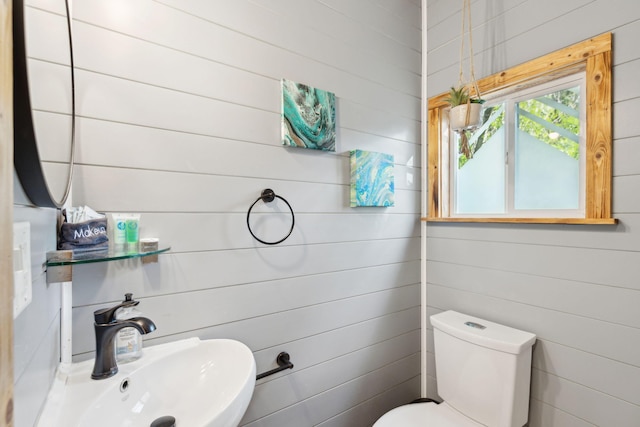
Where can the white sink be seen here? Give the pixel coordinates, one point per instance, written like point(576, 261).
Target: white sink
point(201, 383)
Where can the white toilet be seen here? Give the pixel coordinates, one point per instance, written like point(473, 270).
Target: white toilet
point(483, 371)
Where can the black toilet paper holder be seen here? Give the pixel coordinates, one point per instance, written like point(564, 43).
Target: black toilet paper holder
point(283, 363)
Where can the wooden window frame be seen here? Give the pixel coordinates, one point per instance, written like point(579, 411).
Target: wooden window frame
point(593, 56)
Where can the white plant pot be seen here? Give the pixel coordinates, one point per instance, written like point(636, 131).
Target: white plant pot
point(458, 116)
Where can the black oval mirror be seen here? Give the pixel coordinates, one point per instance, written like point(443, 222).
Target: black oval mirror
point(44, 101)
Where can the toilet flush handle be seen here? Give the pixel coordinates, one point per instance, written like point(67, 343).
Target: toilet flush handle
point(475, 325)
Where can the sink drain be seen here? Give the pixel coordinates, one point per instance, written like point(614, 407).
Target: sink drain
point(166, 421)
point(124, 385)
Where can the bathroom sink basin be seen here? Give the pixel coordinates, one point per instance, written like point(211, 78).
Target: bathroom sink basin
point(201, 383)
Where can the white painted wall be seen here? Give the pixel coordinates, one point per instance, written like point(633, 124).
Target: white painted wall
point(179, 120)
point(576, 287)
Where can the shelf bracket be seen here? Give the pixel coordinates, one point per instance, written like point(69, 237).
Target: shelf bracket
point(59, 273)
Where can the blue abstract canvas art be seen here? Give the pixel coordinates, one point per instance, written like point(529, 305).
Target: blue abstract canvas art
point(372, 181)
point(308, 117)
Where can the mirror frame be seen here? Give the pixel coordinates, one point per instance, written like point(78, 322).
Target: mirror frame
point(27, 161)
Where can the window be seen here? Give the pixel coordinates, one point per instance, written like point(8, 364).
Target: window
point(527, 157)
point(543, 152)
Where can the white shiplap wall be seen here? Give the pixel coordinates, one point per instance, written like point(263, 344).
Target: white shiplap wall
point(179, 120)
point(37, 328)
point(36, 333)
point(576, 287)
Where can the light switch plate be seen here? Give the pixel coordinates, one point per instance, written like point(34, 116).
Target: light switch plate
point(21, 267)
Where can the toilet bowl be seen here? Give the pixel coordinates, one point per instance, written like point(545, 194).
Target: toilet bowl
point(483, 371)
point(425, 414)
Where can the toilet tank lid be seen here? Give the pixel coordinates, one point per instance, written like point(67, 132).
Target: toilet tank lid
point(483, 332)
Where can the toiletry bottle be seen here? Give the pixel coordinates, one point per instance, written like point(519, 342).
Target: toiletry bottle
point(133, 231)
point(118, 227)
point(128, 340)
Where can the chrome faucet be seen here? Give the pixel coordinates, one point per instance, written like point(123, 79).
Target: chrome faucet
point(106, 327)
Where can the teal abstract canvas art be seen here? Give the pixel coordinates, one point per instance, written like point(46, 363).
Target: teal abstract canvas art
point(308, 117)
point(372, 181)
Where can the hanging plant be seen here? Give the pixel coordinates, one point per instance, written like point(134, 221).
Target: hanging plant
point(466, 110)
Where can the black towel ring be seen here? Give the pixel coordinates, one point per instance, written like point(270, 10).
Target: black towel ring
point(269, 196)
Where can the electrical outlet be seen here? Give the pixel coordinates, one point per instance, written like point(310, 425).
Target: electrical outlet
point(21, 267)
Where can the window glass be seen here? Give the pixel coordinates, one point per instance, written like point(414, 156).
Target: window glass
point(525, 157)
point(547, 151)
point(480, 171)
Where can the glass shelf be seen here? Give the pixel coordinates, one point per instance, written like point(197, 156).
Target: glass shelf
point(63, 258)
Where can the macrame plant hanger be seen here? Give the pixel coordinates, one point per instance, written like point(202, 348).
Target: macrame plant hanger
point(472, 84)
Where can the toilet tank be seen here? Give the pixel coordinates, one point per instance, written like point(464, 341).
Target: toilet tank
point(483, 369)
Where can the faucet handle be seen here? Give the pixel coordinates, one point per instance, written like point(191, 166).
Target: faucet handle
point(108, 315)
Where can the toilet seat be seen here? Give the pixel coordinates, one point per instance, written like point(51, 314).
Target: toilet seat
point(425, 415)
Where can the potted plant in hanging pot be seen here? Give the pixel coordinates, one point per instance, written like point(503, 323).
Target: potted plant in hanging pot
point(466, 111)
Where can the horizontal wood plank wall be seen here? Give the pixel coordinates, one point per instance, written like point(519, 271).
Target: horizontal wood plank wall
point(575, 286)
point(37, 329)
point(179, 106)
